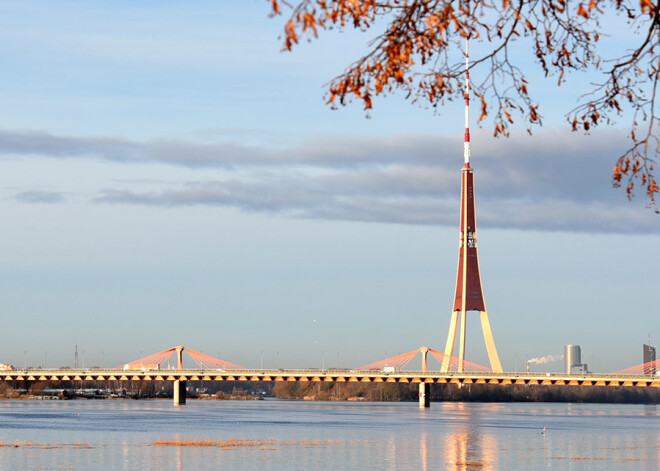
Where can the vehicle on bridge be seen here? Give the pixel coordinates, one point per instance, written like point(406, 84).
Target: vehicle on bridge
point(4, 367)
point(142, 366)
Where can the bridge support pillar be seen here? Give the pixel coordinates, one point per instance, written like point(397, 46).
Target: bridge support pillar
point(179, 392)
point(424, 395)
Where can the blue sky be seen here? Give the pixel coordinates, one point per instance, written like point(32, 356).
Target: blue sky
point(169, 176)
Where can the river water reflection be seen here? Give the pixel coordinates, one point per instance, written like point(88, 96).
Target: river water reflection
point(283, 435)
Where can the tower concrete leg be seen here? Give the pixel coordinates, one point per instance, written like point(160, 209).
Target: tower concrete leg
point(451, 340)
point(179, 392)
point(494, 358)
point(461, 345)
point(424, 395)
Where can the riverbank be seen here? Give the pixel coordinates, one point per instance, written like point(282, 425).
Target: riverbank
point(129, 390)
point(388, 392)
point(343, 392)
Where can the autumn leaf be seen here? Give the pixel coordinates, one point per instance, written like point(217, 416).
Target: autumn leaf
point(291, 36)
point(647, 6)
point(582, 12)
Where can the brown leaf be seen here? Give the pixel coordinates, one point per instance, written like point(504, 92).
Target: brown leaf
point(582, 12)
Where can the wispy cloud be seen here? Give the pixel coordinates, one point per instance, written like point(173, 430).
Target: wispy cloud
point(39, 197)
point(551, 181)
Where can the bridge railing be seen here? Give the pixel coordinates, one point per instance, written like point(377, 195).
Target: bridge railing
point(312, 372)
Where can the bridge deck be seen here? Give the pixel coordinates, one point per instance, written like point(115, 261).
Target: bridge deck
point(331, 376)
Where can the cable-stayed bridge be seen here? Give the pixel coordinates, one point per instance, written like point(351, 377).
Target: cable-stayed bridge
point(390, 370)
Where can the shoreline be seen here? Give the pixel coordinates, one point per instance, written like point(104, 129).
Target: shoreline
point(338, 392)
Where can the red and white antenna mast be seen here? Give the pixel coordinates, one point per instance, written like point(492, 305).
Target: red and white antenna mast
point(466, 144)
point(469, 294)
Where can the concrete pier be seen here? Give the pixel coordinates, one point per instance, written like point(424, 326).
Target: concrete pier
point(424, 388)
point(179, 392)
point(424, 395)
point(179, 386)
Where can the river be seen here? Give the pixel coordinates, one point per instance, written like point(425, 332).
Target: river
point(288, 435)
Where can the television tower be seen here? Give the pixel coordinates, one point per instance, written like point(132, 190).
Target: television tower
point(469, 295)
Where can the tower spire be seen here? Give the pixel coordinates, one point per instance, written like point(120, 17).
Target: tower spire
point(466, 143)
point(468, 295)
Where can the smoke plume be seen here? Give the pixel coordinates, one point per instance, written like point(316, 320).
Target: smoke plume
point(545, 359)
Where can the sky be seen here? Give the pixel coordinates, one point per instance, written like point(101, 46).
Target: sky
point(170, 177)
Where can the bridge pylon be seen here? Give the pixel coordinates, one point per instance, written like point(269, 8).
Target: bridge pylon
point(156, 361)
point(179, 392)
point(395, 365)
point(424, 387)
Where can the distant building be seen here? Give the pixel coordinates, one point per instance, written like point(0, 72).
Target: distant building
point(573, 360)
point(572, 356)
point(649, 360)
point(582, 368)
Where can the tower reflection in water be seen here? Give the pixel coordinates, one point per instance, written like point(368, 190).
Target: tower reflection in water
point(468, 446)
point(452, 436)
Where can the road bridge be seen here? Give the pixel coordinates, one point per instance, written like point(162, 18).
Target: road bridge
point(390, 370)
point(424, 379)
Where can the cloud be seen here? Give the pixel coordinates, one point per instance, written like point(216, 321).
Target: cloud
point(39, 197)
point(550, 181)
point(327, 152)
point(554, 154)
point(27, 143)
point(319, 199)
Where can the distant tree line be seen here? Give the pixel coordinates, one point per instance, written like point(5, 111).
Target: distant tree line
point(324, 391)
point(473, 392)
